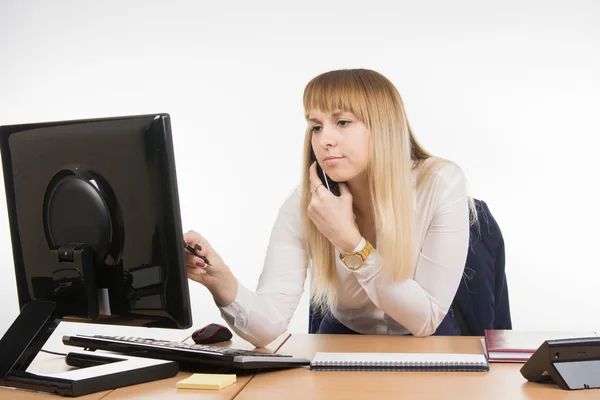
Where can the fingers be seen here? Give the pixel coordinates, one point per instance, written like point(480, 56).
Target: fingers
point(199, 246)
point(195, 240)
point(192, 261)
point(314, 209)
point(310, 210)
point(203, 252)
point(344, 191)
point(197, 274)
point(313, 176)
point(199, 262)
point(195, 271)
point(316, 184)
point(192, 237)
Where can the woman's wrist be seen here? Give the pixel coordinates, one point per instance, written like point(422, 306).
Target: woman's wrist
point(349, 244)
point(225, 290)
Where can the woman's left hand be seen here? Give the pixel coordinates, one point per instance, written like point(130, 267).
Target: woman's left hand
point(333, 215)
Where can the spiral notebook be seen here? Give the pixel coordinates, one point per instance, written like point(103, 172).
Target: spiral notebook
point(399, 362)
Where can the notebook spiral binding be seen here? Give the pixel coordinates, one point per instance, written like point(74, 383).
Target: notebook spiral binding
point(398, 362)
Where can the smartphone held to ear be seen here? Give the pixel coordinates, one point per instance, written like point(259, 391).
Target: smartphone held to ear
point(331, 185)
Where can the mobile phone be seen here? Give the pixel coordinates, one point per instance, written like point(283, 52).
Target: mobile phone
point(330, 184)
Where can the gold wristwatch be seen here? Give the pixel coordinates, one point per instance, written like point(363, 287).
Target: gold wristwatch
point(355, 259)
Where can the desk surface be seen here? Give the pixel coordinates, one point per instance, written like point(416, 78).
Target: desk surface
point(49, 363)
point(503, 381)
point(165, 389)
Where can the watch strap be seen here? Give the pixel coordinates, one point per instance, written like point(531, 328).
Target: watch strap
point(363, 250)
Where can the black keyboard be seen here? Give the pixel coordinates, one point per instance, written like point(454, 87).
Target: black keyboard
point(190, 357)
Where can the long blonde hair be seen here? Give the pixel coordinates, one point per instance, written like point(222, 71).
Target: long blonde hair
point(395, 152)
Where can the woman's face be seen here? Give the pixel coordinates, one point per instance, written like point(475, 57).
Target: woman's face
point(341, 143)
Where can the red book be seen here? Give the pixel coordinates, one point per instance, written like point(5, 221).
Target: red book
point(518, 346)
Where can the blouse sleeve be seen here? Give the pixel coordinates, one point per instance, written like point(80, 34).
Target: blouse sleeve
point(261, 316)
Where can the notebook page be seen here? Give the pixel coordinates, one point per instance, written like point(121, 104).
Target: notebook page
point(397, 358)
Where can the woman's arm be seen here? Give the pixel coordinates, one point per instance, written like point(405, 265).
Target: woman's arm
point(420, 304)
point(259, 317)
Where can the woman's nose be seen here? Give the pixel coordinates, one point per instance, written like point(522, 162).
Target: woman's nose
point(328, 136)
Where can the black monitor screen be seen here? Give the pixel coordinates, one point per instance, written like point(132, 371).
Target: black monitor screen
point(95, 221)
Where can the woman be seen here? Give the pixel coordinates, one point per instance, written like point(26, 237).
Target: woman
point(386, 256)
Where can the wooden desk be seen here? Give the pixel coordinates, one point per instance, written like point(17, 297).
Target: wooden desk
point(48, 363)
point(165, 389)
point(19, 394)
point(503, 381)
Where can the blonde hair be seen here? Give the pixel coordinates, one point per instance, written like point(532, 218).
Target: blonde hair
point(395, 152)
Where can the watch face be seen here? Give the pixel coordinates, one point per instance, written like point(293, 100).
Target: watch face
point(353, 261)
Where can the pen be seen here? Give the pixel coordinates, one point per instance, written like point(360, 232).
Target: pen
point(193, 251)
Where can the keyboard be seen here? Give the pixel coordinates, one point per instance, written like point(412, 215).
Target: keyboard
point(190, 357)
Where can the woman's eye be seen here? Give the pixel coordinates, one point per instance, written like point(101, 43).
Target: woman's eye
point(344, 123)
point(316, 129)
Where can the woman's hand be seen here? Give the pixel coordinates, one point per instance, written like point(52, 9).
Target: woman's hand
point(216, 276)
point(333, 215)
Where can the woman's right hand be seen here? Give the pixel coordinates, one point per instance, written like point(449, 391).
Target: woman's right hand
point(217, 277)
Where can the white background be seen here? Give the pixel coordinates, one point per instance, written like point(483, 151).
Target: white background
point(509, 90)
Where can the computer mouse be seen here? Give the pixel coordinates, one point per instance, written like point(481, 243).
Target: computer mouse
point(211, 333)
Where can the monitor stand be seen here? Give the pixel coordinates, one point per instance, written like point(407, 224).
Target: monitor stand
point(97, 372)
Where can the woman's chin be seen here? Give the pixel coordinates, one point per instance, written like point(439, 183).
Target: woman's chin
point(335, 177)
point(340, 177)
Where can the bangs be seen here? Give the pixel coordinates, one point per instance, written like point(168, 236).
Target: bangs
point(332, 91)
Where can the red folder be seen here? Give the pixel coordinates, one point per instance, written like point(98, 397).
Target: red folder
point(517, 346)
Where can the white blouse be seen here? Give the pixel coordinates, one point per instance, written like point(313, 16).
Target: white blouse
point(368, 302)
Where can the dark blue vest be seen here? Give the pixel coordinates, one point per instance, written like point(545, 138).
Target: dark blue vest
point(481, 301)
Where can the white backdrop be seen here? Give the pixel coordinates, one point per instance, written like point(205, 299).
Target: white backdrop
point(509, 90)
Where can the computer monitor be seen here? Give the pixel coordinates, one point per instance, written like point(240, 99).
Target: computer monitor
point(96, 231)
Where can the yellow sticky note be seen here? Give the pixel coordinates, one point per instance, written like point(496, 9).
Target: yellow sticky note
point(207, 381)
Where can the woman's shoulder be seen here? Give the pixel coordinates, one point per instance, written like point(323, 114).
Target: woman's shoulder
point(437, 174)
point(439, 167)
point(292, 202)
